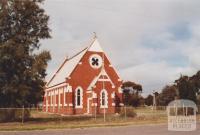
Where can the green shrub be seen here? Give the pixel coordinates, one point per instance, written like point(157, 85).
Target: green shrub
point(129, 113)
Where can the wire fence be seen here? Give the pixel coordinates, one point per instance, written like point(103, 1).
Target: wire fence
point(23, 115)
point(17, 114)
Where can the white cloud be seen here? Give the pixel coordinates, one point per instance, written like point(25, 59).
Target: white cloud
point(144, 49)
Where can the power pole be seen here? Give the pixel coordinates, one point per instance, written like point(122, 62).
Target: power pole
point(154, 100)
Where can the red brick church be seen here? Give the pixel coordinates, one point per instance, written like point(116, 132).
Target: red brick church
point(86, 83)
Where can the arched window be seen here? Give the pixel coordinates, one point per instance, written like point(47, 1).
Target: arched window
point(104, 99)
point(79, 97)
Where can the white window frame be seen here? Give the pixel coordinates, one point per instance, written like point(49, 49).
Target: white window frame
point(60, 92)
point(52, 98)
point(49, 99)
point(81, 97)
point(64, 95)
point(55, 97)
point(97, 57)
point(106, 99)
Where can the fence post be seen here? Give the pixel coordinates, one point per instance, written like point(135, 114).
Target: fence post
point(95, 115)
point(104, 114)
point(125, 111)
point(23, 115)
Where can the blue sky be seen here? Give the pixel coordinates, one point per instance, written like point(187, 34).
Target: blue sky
point(150, 42)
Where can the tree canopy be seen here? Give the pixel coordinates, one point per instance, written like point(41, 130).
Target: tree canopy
point(189, 87)
point(132, 86)
point(23, 23)
point(168, 94)
point(184, 87)
point(149, 100)
point(131, 92)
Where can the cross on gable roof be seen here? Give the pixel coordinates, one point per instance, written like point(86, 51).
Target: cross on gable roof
point(67, 67)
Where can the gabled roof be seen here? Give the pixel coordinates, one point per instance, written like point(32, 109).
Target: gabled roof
point(69, 65)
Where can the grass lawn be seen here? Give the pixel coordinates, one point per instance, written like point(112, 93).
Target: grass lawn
point(41, 121)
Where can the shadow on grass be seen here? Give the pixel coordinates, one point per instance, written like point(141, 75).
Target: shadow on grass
point(60, 118)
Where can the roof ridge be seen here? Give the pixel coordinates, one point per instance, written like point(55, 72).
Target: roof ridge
point(77, 53)
point(90, 44)
point(63, 63)
point(67, 59)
